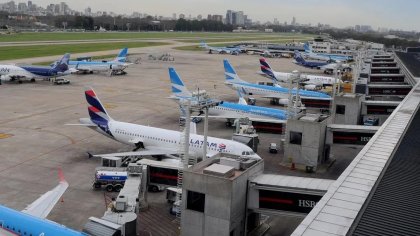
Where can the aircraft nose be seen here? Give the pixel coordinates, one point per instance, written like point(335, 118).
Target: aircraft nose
point(255, 157)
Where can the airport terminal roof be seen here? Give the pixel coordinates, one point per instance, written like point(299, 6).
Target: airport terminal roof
point(411, 61)
point(378, 192)
point(395, 197)
point(287, 181)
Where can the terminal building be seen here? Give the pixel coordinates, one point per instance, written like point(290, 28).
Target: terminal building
point(375, 195)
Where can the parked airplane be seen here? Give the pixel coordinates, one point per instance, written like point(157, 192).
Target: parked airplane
point(151, 140)
point(324, 56)
point(310, 82)
point(310, 64)
point(31, 221)
point(221, 50)
point(272, 92)
point(31, 72)
point(228, 110)
point(115, 66)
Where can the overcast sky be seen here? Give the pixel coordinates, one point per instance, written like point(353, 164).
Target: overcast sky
point(402, 14)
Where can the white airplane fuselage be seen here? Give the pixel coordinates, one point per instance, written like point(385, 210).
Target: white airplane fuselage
point(97, 66)
point(12, 72)
point(131, 134)
point(308, 79)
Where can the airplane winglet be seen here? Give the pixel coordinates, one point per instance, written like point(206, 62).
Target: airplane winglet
point(61, 175)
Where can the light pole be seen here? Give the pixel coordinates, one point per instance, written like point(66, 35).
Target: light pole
point(336, 79)
point(206, 129)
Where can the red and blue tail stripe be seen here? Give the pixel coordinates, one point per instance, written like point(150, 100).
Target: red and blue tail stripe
point(266, 69)
point(97, 112)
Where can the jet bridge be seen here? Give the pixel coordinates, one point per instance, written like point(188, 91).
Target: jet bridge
point(378, 109)
point(383, 64)
point(285, 195)
point(388, 89)
point(349, 134)
point(385, 70)
point(387, 78)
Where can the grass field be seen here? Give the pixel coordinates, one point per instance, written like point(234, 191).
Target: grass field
point(58, 36)
point(18, 52)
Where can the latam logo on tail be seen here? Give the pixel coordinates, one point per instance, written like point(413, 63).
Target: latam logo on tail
point(222, 146)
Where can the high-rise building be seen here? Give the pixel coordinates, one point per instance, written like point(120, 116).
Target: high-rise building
point(293, 21)
point(235, 18)
point(22, 7)
point(215, 17)
point(229, 17)
point(50, 8)
point(63, 8)
point(30, 5)
point(240, 18)
point(56, 9)
point(174, 16)
point(88, 11)
point(218, 18)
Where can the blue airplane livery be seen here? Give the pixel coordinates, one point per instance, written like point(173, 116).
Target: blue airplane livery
point(31, 221)
point(221, 50)
point(274, 92)
point(31, 72)
point(228, 110)
point(324, 56)
point(310, 64)
point(119, 64)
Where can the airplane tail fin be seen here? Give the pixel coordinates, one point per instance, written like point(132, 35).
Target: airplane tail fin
point(178, 87)
point(266, 68)
point(241, 98)
point(230, 73)
point(97, 112)
point(299, 58)
point(306, 47)
point(63, 64)
point(122, 55)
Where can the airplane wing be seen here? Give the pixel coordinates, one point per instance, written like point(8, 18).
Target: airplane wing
point(276, 96)
point(250, 118)
point(268, 120)
point(151, 151)
point(44, 204)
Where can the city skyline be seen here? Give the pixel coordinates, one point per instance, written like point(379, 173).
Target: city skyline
point(378, 14)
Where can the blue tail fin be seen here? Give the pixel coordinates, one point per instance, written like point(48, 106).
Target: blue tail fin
point(97, 112)
point(122, 56)
point(178, 87)
point(230, 73)
point(299, 58)
point(266, 69)
point(63, 64)
point(306, 47)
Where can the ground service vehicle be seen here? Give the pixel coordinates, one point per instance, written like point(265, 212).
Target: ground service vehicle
point(112, 178)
